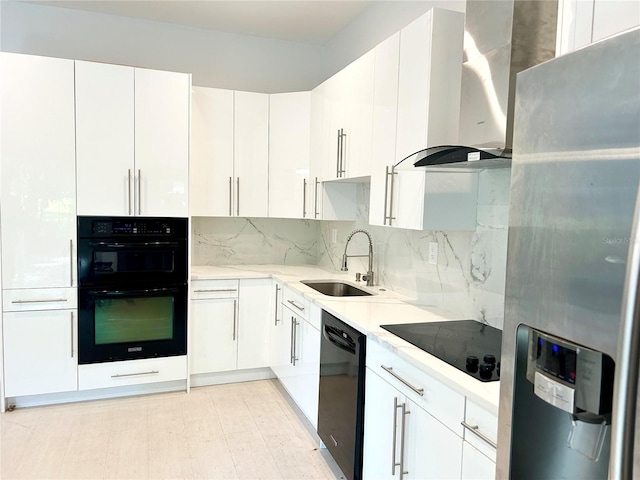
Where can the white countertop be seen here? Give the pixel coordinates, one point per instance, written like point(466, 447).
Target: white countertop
point(367, 314)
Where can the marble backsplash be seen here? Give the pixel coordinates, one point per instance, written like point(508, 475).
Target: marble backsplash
point(469, 278)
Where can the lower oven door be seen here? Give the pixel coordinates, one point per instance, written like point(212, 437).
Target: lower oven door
point(130, 324)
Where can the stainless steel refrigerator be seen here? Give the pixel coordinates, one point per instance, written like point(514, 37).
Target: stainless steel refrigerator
point(569, 380)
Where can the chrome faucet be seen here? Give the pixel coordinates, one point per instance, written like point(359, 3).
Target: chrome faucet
point(369, 277)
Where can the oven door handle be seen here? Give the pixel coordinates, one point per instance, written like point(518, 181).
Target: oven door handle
point(133, 245)
point(128, 293)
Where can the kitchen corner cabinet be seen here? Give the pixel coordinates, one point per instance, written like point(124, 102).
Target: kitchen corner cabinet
point(38, 172)
point(289, 150)
point(132, 140)
point(251, 154)
point(229, 325)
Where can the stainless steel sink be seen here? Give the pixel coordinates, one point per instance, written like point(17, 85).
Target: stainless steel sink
point(336, 289)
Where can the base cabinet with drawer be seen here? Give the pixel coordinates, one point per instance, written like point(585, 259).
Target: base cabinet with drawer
point(229, 325)
point(402, 439)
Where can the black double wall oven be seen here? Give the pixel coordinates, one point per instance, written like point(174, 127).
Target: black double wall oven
point(132, 295)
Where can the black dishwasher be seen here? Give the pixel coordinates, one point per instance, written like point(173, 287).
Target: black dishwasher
point(341, 396)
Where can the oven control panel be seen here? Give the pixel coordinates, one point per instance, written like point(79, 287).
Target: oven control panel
point(132, 227)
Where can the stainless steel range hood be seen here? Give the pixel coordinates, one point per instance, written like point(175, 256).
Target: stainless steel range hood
point(501, 38)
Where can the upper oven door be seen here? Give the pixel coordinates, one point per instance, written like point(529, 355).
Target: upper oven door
point(135, 253)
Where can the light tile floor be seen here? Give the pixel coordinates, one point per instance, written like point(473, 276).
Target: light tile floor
point(237, 431)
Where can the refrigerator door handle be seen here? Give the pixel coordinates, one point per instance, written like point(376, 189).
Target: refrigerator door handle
point(625, 391)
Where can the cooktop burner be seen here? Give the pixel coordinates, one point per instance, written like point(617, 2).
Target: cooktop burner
point(468, 345)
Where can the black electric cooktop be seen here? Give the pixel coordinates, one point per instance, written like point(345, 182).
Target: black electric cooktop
point(468, 345)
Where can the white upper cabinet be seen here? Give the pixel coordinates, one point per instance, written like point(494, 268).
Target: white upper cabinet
point(316, 170)
point(162, 103)
point(38, 172)
point(347, 120)
point(430, 72)
point(289, 149)
point(132, 139)
point(105, 138)
point(211, 166)
point(385, 108)
point(251, 154)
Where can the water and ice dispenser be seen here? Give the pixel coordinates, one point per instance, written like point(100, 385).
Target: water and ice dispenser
point(563, 397)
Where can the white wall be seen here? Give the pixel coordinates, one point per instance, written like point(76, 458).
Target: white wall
point(215, 59)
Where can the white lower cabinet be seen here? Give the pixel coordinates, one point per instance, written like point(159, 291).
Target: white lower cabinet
point(403, 439)
point(229, 325)
point(40, 353)
point(475, 465)
point(295, 353)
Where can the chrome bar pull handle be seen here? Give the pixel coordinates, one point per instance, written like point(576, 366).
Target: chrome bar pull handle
point(276, 309)
point(419, 391)
point(386, 196)
point(238, 197)
point(304, 198)
point(292, 340)
point(343, 136)
point(393, 174)
point(338, 156)
point(295, 334)
point(403, 408)
point(71, 261)
point(315, 200)
point(139, 192)
point(293, 302)
point(150, 372)
point(230, 195)
point(476, 430)
point(217, 290)
point(395, 436)
point(129, 189)
point(235, 319)
point(72, 329)
point(51, 300)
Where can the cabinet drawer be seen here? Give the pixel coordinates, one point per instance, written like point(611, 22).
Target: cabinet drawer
point(201, 289)
point(295, 301)
point(39, 299)
point(481, 428)
point(132, 372)
point(442, 402)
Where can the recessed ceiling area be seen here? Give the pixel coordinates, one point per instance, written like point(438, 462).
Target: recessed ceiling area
point(309, 21)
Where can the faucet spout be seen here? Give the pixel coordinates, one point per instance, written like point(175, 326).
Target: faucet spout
point(370, 255)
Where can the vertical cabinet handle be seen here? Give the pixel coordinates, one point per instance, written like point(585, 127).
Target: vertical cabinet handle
point(276, 309)
point(139, 192)
point(292, 341)
point(315, 200)
point(304, 198)
point(235, 319)
point(394, 463)
point(343, 136)
point(295, 334)
point(338, 156)
point(72, 330)
point(386, 196)
point(238, 196)
point(71, 261)
point(230, 195)
point(129, 189)
point(392, 174)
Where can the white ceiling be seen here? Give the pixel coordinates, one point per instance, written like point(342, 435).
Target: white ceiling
point(306, 21)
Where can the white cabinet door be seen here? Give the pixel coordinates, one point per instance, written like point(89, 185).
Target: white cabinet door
point(40, 354)
point(211, 165)
point(104, 138)
point(254, 323)
point(380, 418)
point(385, 107)
point(430, 72)
point(288, 373)
point(251, 154)
point(289, 149)
point(281, 329)
point(476, 466)
point(162, 103)
point(38, 172)
point(213, 335)
point(309, 368)
point(433, 451)
point(316, 170)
